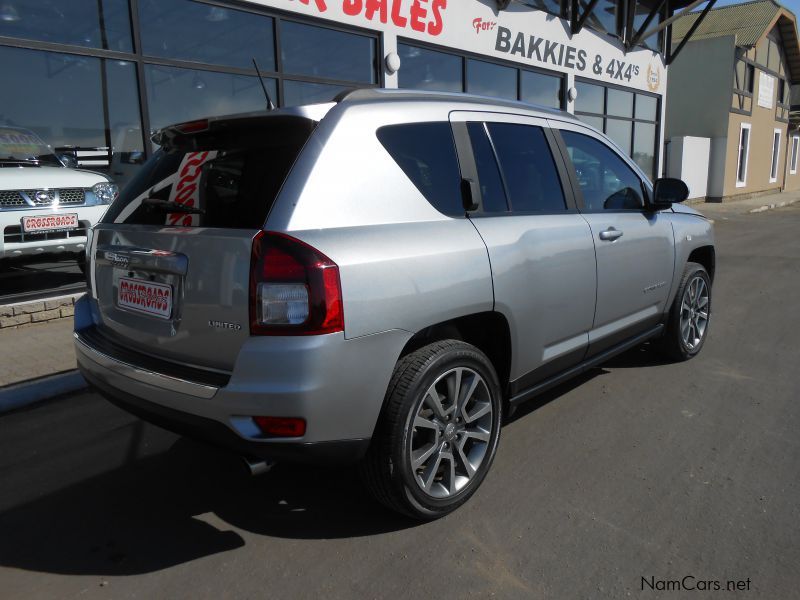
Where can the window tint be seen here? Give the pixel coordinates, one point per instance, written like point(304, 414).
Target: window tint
point(528, 168)
point(606, 181)
point(176, 95)
point(77, 24)
point(538, 88)
point(488, 79)
point(427, 154)
point(425, 69)
point(322, 52)
point(492, 191)
point(210, 34)
point(233, 175)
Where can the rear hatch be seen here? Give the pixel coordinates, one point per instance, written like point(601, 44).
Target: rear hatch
point(171, 258)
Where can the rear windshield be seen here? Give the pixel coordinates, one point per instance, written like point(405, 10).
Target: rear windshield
point(227, 177)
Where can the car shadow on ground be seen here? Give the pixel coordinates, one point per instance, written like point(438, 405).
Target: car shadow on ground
point(192, 501)
point(180, 505)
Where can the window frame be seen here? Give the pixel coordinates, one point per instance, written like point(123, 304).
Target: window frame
point(740, 183)
point(775, 154)
point(605, 117)
point(468, 165)
point(795, 148)
point(465, 56)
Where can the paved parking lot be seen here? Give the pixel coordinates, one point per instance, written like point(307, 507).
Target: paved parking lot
point(639, 470)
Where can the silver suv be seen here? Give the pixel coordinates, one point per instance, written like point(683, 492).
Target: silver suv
point(381, 279)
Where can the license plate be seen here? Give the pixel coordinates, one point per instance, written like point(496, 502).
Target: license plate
point(40, 224)
point(146, 297)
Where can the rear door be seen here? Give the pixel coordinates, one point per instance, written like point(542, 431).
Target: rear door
point(171, 258)
point(540, 248)
point(635, 246)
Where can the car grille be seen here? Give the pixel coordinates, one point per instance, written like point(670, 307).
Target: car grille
point(13, 234)
point(42, 198)
point(11, 198)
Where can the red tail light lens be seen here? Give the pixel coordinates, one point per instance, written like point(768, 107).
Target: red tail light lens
point(294, 289)
point(281, 426)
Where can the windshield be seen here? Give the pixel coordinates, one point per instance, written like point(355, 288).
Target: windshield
point(23, 146)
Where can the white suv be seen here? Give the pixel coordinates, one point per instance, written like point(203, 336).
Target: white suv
point(45, 207)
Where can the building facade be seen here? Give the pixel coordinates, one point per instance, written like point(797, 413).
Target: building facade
point(97, 77)
point(732, 85)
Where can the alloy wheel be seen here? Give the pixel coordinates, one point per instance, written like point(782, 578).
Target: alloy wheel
point(694, 313)
point(450, 432)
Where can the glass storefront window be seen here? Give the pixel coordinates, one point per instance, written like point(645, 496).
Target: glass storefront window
point(67, 109)
point(538, 88)
point(125, 125)
point(620, 131)
point(644, 143)
point(596, 122)
point(327, 53)
point(424, 69)
point(620, 103)
point(187, 30)
point(646, 107)
point(591, 98)
point(488, 79)
point(175, 95)
point(302, 92)
point(78, 24)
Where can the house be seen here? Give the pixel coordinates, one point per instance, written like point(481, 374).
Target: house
point(731, 85)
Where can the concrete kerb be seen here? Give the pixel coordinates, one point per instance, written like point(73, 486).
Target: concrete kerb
point(20, 395)
point(774, 205)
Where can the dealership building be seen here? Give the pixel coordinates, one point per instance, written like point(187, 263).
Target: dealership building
point(95, 77)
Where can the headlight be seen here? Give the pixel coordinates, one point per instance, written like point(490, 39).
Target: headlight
point(106, 192)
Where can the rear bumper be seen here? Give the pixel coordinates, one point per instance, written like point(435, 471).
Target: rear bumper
point(336, 385)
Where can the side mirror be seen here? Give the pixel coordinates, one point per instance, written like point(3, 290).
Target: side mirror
point(68, 160)
point(470, 194)
point(668, 191)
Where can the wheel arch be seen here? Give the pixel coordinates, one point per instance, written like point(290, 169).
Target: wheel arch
point(487, 331)
point(706, 256)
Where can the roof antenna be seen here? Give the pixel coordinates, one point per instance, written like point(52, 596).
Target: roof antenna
point(270, 104)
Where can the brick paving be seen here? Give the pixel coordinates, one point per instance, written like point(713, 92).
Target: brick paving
point(36, 350)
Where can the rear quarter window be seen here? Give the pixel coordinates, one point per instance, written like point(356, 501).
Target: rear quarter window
point(426, 153)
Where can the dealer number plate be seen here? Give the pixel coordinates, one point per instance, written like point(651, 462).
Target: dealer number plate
point(146, 297)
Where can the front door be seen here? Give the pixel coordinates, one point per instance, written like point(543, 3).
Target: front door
point(635, 247)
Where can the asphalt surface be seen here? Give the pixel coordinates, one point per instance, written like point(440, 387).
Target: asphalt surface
point(640, 469)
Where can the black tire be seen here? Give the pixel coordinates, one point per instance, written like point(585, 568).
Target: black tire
point(672, 344)
point(81, 260)
point(387, 470)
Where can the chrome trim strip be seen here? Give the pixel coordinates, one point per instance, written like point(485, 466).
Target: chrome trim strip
point(166, 382)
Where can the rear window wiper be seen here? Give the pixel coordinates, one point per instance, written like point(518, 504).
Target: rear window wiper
point(171, 206)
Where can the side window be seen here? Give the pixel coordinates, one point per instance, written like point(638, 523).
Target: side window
point(492, 191)
point(606, 181)
point(427, 154)
point(528, 169)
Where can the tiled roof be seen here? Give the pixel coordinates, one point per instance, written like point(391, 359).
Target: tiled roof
point(748, 21)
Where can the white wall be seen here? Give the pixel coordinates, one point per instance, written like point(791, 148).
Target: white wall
point(689, 159)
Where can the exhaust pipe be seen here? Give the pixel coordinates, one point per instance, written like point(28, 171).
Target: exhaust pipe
point(257, 466)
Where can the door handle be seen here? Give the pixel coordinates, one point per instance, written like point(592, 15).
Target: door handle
point(610, 234)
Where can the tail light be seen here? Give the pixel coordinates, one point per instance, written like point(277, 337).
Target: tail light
point(294, 289)
point(281, 426)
